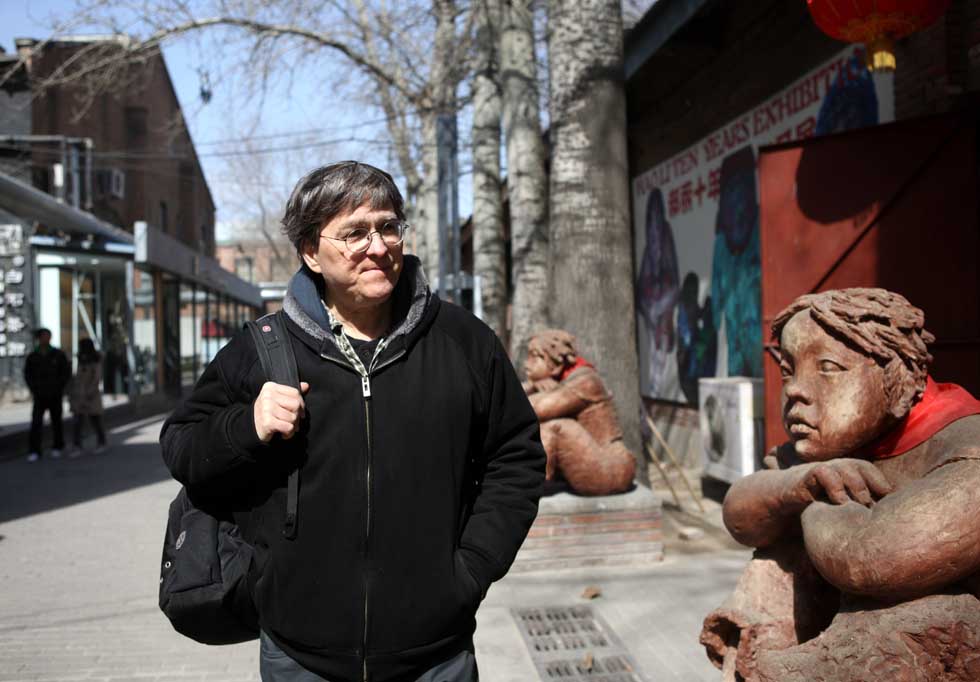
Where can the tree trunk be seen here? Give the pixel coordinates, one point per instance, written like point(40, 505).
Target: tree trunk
point(591, 244)
point(427, 213)
point(489, 263)
point(527, 185)
point(441, 100)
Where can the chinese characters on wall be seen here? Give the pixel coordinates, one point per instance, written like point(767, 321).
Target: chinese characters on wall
point(697, 242)
point(15, 331)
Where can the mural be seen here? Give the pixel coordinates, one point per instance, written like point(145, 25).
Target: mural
point(700, 227)
point(657, 289)
point(736, 287)
point(698, 347)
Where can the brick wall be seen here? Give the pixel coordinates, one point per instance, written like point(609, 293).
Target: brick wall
point(137, 129)
point(734, 54)
point(266, 267)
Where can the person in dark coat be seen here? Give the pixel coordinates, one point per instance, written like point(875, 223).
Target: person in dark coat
point(85, 398)
point(46, 373)
point(419, 456)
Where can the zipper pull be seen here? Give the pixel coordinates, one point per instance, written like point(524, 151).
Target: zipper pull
point(366, 387)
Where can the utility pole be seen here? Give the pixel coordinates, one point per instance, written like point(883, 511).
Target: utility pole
point(448, 218)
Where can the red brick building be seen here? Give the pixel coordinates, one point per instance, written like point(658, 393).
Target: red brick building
point(110, 150)
point(143, 164)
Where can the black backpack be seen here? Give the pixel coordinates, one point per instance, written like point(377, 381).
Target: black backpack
point(204, 587)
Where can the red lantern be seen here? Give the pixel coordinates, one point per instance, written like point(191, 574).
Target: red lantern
point(876, 23)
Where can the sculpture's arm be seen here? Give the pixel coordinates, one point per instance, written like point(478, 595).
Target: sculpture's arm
point(764, 508)
point(556, 403)
point(911, 543)
point(756, 511)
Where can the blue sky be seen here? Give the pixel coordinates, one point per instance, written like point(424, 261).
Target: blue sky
point(304, 106)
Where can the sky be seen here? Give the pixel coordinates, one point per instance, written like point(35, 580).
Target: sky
point(301, 108)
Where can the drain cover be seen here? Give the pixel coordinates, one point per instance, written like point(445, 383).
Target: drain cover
point(574, 644)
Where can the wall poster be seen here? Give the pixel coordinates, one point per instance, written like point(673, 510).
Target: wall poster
point(697, 229)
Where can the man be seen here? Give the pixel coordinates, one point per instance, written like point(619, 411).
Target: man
point(420, 458)
point(46, 373)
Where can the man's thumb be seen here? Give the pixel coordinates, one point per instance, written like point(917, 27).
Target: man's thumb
point(304, 387)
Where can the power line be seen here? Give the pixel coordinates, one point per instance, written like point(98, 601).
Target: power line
point(295, 133)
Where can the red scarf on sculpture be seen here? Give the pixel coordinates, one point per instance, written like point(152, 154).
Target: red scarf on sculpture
point(579, 362)
point(941, 405)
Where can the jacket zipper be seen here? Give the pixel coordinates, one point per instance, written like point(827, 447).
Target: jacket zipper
point(366, 395)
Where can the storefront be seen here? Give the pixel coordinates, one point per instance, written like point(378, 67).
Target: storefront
point(713, 89)
point(157, 310)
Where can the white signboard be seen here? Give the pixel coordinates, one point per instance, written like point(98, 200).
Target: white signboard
point(697, 229)
point(12, 320)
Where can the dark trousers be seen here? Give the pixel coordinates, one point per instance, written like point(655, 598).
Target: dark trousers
point(96, 420)
point(44, 404)
point(275, 665)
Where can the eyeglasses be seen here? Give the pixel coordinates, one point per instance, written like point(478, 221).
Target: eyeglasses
point(358, 240)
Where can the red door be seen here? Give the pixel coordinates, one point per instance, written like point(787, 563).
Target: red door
point(893, 206)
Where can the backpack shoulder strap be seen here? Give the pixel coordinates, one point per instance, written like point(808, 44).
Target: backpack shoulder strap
point(275, 349)
point(276, 355)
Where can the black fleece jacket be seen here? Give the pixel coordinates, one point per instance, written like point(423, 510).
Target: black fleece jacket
point(413, 500)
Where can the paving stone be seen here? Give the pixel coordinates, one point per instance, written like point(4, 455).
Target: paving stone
point(79, 551)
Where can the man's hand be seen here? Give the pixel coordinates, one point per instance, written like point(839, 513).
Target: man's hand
point(279, 409)
point(838, 481)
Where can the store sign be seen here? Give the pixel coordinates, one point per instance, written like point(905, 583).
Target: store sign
point(14, 330)
point(696, 219)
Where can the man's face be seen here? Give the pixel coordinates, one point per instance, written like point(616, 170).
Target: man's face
point(833, 397)
point(357, 280)
point(44, 339)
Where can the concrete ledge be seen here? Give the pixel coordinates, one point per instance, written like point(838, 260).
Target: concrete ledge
point(639, 498)
point(573, 531)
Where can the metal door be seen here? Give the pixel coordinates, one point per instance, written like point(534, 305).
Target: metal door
point(893, 206)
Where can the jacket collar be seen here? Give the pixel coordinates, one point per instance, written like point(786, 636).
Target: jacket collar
point(303, 303)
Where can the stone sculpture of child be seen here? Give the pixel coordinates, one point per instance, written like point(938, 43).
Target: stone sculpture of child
point(866, 520)
point(579, 428)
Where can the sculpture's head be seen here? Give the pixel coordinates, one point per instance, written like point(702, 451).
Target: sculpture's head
point(548, 354)
point(853, 362)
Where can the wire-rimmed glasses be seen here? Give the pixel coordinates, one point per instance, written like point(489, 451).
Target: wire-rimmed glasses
point(358, 240)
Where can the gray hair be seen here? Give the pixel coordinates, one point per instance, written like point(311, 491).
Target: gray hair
point(326, 192)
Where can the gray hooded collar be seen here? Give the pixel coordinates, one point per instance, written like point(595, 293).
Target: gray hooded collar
point(304, 302)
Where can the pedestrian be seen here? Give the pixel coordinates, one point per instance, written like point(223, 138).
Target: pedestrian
point(46, 373)
point(419, 455)
point(85, 398)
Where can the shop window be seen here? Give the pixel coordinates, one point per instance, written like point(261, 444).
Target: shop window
point(144, 332)
point(244, 268)
point(200, 316)
point(188, 335)
point(209, 327)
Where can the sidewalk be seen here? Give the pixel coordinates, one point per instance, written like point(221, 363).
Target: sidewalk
point(16, 417)
point(79, 548)
point(15, 420)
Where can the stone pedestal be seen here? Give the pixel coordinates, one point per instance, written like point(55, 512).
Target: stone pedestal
point(611, 530)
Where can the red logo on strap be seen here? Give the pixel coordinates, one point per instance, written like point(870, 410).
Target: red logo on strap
point(266, 328)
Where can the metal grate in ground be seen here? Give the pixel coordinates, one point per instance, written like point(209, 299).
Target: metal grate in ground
point(574, 644)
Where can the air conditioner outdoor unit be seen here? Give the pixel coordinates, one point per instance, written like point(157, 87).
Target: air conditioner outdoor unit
point(111, 182)
point(731, 413)
point(117, 183)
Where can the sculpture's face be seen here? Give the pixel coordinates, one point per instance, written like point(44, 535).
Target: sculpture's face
point(538, 365)
point(834, 398)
